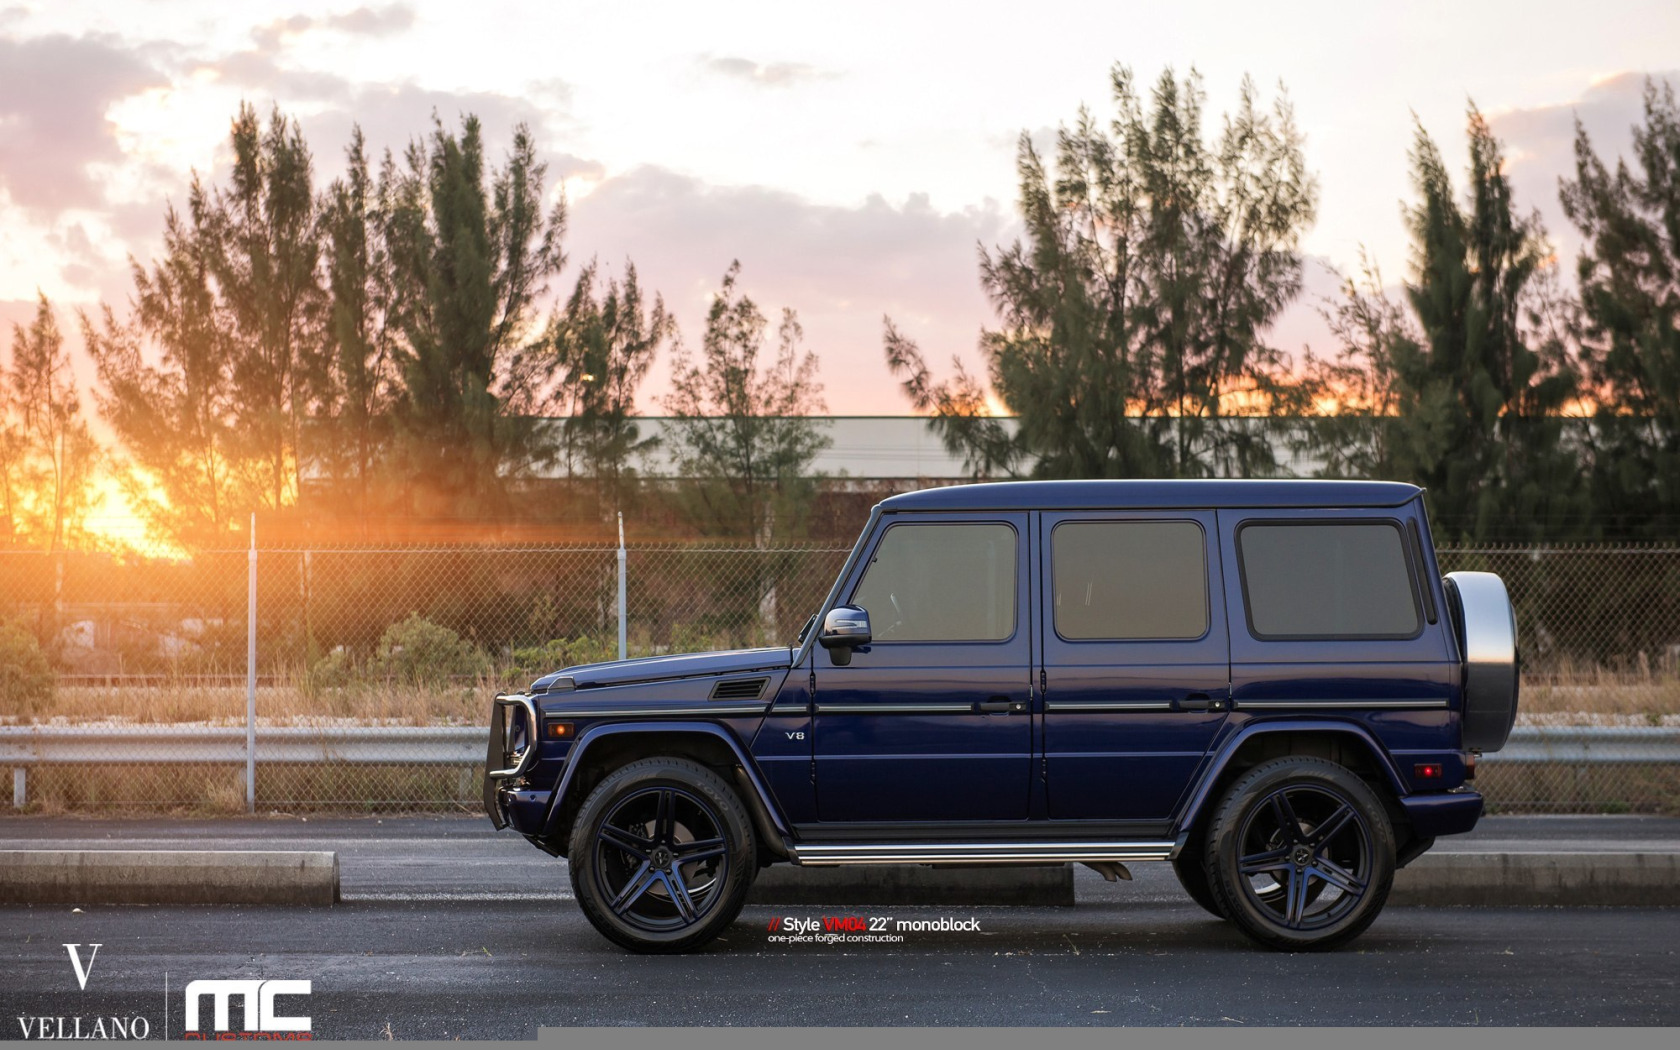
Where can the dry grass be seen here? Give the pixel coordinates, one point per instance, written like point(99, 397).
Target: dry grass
point(1600, 697)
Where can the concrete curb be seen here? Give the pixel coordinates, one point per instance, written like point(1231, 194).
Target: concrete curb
point(167, 877)
point(1528, 879)
point(909, 884)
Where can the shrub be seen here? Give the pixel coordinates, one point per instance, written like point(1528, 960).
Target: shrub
point(563, 652)
point(421, 652)
point(26, 679)
point(335, 670)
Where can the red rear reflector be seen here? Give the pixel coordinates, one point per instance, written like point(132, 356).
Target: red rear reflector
point(559, 730)
point(1427, 771)
point(1470, 766)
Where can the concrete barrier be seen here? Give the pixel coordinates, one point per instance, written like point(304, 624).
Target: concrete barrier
point(167, 877)
point(1528, 879)
point(910, 884)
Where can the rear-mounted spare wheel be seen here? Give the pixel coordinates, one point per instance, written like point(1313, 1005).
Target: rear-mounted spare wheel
point(1487, 637)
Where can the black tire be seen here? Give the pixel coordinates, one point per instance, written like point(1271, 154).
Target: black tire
point(1192, 874)
point(1263, 875)
point(627, 853)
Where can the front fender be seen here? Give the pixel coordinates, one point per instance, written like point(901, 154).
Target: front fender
point(579, 750)
point(1200, 796)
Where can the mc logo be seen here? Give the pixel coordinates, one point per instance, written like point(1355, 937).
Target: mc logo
point(259, 999)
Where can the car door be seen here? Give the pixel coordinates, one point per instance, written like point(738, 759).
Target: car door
point(931, 722)
point(1136, 660)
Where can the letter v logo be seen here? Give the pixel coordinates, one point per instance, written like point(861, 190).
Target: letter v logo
point(76, 961)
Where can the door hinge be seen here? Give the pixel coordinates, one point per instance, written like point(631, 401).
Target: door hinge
point(811, 686)
point(1043, 683)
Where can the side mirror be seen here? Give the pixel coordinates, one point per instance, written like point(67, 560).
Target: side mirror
point(846, 627)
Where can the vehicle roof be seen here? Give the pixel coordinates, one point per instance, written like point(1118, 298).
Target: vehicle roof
point(1176, 494)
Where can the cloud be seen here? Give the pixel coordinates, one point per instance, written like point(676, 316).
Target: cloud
point(385, 21)
point(1539, 145)
point(840, 267)
point(53, 100)
point(394, 114)
point(766, 74)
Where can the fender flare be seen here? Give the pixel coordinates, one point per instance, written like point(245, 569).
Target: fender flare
point(596, 732)
point(1199, 795)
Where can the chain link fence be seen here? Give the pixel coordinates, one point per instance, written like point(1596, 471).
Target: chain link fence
point(374, 666)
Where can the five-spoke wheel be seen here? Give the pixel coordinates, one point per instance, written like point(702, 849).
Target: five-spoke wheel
point(662, 854)
point(1300, 854)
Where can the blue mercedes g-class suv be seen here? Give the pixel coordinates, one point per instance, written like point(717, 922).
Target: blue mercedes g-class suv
point(1266, 683)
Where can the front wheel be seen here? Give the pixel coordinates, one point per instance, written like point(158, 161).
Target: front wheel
point(662, 855)
point(1300, 854)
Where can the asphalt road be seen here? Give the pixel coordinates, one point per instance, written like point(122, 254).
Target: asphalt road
point(449, 931)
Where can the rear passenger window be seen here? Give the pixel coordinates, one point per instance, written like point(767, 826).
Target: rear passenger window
point(1129, 580)
point(1327, 580)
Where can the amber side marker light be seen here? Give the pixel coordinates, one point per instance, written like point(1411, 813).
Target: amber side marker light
point(558, 730)
point(1427, 771)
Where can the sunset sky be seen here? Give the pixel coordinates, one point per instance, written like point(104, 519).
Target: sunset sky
point(850, 155)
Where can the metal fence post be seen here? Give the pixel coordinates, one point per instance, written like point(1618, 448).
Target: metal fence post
point(251, 674)
point(623, 597)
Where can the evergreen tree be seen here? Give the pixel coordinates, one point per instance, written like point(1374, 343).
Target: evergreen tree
point(50, 491)
point(742, 431)
point(1132, 314)
point(1469, 381)
point(470, 257)
point(359, 388)
point(264, 253)
point(1630, 297)
point(587, 369)
point(184, 468)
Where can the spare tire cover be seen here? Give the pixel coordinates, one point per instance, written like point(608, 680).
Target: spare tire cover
point(1486, 626)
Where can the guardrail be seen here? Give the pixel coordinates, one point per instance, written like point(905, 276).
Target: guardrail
point(1589, 746)
point(24, 747)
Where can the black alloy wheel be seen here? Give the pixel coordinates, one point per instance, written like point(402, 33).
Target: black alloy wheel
point(662, 854)
point(1300, 854)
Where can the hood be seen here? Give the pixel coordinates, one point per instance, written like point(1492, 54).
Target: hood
point(665, 668)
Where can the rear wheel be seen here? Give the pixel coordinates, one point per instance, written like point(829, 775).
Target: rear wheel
point(1300, 854)
point(662, 855)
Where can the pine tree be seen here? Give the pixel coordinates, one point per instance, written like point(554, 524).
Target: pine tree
point(1629, 276)
point(471, 255)
point(184, 467)
point(1464, 384)
point(264, 253)
point(597, 351)
point(1132, 314)
point(360, 387)
point(51, 492)
point(742, 430)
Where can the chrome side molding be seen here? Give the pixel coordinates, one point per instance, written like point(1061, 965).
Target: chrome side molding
point(821, 855)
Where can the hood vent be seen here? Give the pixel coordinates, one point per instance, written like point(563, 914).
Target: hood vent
point(740, 689)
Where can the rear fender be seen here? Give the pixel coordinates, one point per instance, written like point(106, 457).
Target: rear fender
point(1201, 796)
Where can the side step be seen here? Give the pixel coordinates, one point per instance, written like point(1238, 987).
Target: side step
point(819, 855)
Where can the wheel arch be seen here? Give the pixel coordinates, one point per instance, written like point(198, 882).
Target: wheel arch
point(601, 749)
point(1346, 743)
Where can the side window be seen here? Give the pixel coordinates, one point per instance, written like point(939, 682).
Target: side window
point(941, 583)
point(1129, 580)
point(1327, 580)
